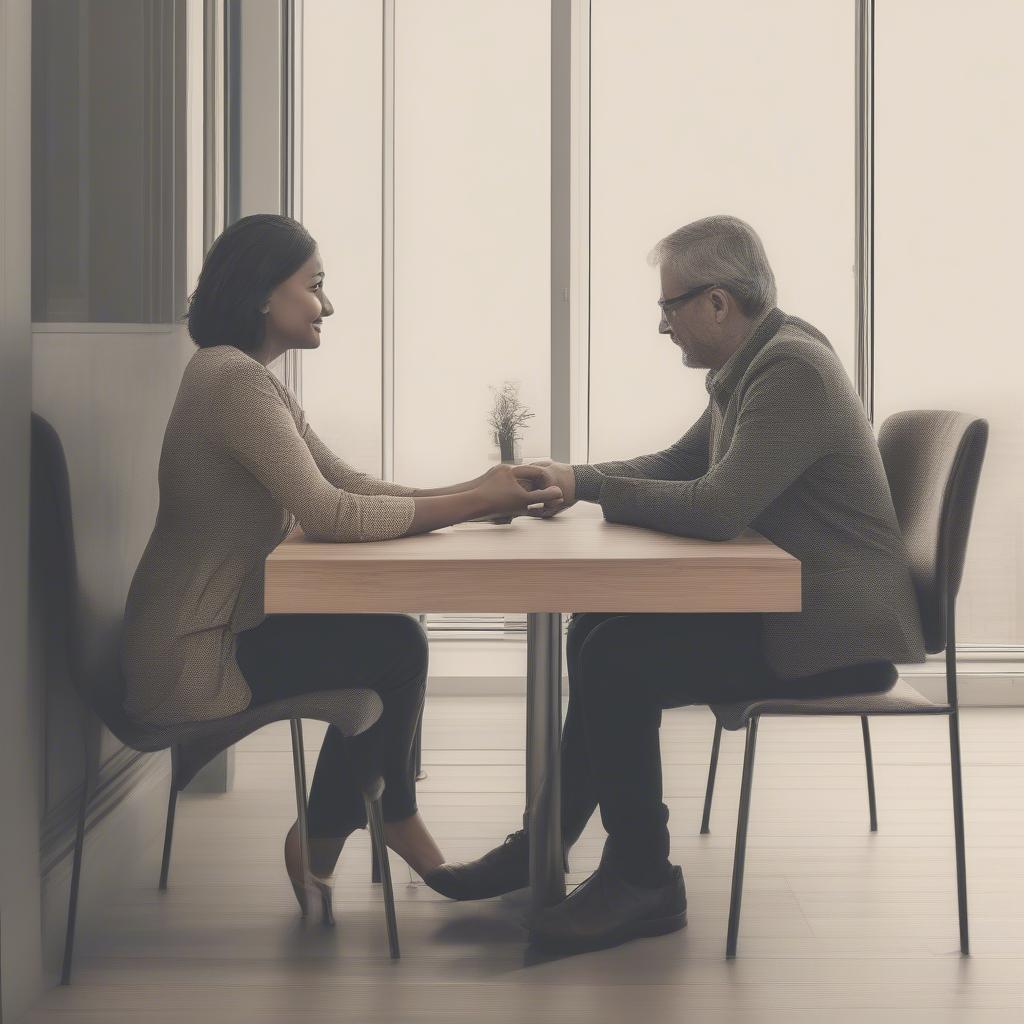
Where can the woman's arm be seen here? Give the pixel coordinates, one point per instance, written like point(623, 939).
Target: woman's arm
point(256, 428)
point(470, 485)
point(503, 490)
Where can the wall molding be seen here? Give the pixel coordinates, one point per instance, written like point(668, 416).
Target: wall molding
point(492, 663)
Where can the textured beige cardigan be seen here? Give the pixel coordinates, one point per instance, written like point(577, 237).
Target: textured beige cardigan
point(239, 467)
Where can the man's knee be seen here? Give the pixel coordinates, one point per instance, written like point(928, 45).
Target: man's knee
point(575, 635)
point(406, 639)
point(607, 652)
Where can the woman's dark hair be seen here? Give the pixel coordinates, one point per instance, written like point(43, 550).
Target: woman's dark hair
point(244, 265)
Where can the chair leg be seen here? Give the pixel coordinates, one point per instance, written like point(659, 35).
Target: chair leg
point(76, 871)
point(741, 839)
point(958, 829)
point(418, 749)
point(299, 770)
point(374, 864)
point(420, 773)
point(172, 802)
point(705, 825)
point(872, 807)
point(375, 822)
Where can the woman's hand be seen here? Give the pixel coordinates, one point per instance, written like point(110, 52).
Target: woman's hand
point(508, 490)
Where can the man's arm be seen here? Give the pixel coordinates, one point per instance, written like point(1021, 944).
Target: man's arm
point(684, 460)
point(783, 428)
point(687, 459)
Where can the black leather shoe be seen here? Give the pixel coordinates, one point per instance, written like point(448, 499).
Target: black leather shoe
point(505, 869)
point(606, 910)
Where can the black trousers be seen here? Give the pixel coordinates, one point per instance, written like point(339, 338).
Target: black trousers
point(293, 654)
point(623, 670)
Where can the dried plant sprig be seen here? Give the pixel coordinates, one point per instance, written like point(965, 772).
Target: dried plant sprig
point(507, 417)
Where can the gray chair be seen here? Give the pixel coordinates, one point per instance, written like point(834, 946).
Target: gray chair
point(54, 596)
point(933, 462)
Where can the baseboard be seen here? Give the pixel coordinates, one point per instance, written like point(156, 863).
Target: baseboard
point(496, 666)
point(975, 691)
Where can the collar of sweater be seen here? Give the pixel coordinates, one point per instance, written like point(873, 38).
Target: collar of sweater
point(721, 383)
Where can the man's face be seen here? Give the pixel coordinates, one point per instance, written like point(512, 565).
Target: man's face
point(691, 324)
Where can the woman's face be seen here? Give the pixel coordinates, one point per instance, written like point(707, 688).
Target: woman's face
point(296, 308)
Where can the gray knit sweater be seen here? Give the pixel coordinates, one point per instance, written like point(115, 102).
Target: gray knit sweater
point(785, 448)
point(239, 467)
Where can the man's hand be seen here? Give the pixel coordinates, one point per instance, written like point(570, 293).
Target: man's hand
point(545, 473)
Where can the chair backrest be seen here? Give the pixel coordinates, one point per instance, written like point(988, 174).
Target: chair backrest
point(53, 576)
point(933, 460)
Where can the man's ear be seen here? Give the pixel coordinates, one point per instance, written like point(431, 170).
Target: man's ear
point(720, 301)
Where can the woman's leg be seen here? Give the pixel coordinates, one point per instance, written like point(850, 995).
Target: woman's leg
point(289, 654)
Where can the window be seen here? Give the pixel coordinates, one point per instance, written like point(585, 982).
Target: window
point(679, 131)
point(949, 213)
point(664, 130)
point(108, 161)
point(470, 204)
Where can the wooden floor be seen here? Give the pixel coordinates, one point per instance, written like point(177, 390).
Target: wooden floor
point(839, 925)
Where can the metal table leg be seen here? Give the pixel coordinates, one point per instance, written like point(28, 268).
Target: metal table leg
point(543, 817)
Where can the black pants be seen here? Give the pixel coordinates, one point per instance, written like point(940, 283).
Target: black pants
point(623, 670)
point(292, 654)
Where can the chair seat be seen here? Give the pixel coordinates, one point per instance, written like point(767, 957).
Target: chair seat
point(902, 699)
point(351, 711)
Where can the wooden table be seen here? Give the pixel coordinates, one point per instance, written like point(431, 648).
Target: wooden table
point(575, 561)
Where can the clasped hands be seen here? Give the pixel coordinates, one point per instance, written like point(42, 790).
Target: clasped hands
point(550, 485)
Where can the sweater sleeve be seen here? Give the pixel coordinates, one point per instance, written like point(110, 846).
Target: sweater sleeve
point(342, 475)
point(257, 429)
point(783, 427)
point(684, 460)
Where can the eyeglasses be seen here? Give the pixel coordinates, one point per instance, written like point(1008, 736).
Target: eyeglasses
point(680, 299)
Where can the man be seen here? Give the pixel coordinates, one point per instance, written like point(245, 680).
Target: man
point(784, 448)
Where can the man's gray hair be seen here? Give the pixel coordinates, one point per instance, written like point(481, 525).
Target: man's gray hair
point(725, 251)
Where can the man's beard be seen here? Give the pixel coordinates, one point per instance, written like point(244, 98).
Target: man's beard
point(692, 358)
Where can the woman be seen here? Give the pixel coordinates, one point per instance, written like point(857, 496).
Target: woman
point(240, 465)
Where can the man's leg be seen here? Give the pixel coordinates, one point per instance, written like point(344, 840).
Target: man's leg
point(579, 791)
point(507, 867)
point(631, 667)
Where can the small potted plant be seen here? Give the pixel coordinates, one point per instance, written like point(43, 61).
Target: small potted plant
point(507, 418)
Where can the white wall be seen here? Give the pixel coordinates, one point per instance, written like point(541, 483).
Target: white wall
point(20, 705)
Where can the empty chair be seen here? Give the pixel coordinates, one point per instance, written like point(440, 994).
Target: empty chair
point(192, 745)
point(933, 461)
